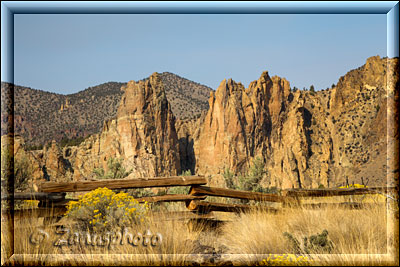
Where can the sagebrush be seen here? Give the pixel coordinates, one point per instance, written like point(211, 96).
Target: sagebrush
point(102, 209)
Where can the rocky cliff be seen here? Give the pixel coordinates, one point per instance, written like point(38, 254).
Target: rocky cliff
point(305, 139)
point(239, 123)
point(143, 135)
point(40, 117)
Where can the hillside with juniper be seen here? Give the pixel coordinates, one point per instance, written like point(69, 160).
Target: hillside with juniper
point(40, 116)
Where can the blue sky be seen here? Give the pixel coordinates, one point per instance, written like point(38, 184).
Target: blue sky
point(67, 53)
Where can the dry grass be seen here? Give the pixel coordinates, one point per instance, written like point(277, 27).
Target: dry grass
point(352, 232)
point(360, 237)
point(177, 244)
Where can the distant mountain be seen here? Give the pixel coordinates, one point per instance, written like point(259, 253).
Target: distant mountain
point(41, 116)
point(187, 98)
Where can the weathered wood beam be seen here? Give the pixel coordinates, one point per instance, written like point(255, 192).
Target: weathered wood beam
point(169, 198)
point(335, 191)
point(123, 183)
point(206, 207)
point(153, 199)
point(231, 193)
point(343, 205)
point(35, 196)
point(58, 204)
point(180, 215)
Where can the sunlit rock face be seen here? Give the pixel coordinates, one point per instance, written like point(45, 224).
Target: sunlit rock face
point(239, 124)
point(305, 139)
point(143, 135)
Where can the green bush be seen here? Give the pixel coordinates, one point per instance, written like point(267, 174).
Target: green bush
point(186, 173)
point(7, 160)
point(71, 142)
point(229, 179)
point(314, 244)
point(251, 180)
point(179, 190)
point(115, 170)
point(318, 243)
point(22, 173)
point(138, 193)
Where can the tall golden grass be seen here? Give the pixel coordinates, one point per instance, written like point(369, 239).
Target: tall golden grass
point(175, 248)
point(360, 237)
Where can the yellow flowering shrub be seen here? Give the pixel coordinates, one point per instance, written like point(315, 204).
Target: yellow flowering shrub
point(102, 209)
point(30, 203)
point(353, 186)
point(285, 260)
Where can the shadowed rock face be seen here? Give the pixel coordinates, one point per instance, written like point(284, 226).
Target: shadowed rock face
point(306, 139)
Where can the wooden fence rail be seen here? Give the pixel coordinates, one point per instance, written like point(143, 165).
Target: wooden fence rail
point(35, 196)
point(53, 194)
point(336, 191)
point(206, 207)
point(170, 198)
point(224, 192)
point(123, 183)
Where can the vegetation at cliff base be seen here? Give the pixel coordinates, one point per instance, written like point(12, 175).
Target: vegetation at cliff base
point(115, 170)
point(251, 181)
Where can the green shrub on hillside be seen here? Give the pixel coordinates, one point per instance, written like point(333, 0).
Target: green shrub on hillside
point(251, 180)
point(186, 173)
point(179, 190)
point(22, 173)
point(115, 170)
point(229, 179)
point(71, 142)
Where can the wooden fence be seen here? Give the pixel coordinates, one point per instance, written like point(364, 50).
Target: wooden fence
point(52, 195)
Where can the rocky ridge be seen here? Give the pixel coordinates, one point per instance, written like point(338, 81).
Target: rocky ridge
point(305, 139)
point(143, 134)
point(40, 116)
